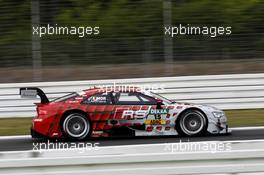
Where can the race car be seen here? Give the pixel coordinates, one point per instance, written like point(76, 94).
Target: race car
point(107, 112)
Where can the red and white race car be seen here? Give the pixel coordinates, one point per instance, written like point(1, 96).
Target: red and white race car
point(110, 111)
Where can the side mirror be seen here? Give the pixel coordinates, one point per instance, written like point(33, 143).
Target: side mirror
point(159, 104)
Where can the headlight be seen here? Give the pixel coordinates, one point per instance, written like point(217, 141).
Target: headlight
point(218, 114)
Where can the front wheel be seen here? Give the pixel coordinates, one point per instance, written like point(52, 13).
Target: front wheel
point(192, 123)
point(76, 126)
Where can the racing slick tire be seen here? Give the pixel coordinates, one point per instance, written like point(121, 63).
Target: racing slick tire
point(192, 123)
point(76, 126)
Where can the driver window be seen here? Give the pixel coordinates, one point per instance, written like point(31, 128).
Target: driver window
point(133, 98)
point(128, 97)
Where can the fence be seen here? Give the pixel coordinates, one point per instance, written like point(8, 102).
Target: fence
point(130, 32)
point(234, 157)
point(234, 91)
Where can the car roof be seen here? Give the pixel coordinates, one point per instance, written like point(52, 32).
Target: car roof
point(118, 88)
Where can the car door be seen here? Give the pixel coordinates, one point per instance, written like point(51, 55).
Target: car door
point(100, 109)
point(132, 108)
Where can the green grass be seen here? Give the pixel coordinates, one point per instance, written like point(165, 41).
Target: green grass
point(236, 118)
point(15, 126)
point(249, 117)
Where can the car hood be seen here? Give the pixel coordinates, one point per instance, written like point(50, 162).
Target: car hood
point(205, 106)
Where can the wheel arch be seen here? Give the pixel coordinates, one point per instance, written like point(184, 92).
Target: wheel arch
point(66, 113)
point(177, 127)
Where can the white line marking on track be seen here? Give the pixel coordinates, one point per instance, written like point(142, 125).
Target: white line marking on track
point(247, 128)
point(15, 137)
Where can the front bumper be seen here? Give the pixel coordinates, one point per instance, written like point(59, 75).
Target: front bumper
point(226, 130)
point(218, 126)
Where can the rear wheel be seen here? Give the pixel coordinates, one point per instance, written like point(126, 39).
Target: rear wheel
point(192, 123)
point(76, 126)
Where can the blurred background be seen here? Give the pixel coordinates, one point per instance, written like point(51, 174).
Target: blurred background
point(131, 41)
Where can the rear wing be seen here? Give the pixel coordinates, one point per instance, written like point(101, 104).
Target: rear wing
point(33, 92)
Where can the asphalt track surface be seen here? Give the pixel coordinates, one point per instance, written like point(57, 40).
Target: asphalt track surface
point(26, 143)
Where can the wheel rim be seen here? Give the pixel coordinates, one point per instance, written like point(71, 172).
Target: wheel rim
point(192, 123)
point(76, 126)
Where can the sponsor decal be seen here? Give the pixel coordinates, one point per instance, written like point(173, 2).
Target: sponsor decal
point(167, 128)
point(28, 93)
point(149, 128)
point(78, 98)
point(98, 99)
point(155, 122)
point(159, 128)
point(130, 114)
point(158, 111)
point(138, 114)
point(141, 114)
point(72, 101)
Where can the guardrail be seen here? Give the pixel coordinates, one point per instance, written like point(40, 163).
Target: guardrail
point(234, 91)
point(155, 159)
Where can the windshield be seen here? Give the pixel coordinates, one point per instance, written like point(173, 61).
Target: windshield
point(65, 97)
point(165, 100)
